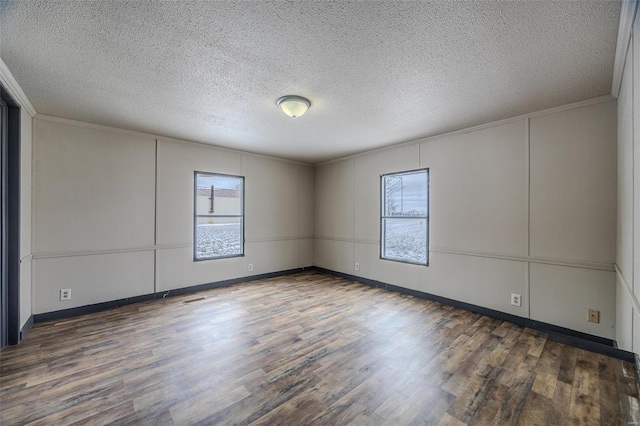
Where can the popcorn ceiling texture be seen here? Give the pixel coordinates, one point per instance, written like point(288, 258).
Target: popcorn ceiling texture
point(377, 73)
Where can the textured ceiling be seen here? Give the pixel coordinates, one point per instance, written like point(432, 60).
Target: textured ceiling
point(377, 73)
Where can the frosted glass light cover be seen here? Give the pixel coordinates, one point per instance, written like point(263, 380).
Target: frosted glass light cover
point(293, 106)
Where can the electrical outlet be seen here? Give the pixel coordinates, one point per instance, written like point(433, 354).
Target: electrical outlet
point(250, 267)
point(65, 294)
point(516, 299)
point(357, 266)
point(594, 316)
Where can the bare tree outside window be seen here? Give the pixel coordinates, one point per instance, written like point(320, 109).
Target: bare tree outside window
point(392, 189)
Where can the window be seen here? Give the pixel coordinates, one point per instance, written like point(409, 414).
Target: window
point(219, 216)
point(404, 223)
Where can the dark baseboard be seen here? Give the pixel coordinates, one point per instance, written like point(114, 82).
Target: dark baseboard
point(97, 307)
point(225, 283)
point(567, 336)
point(89, 309)
point(25, 329)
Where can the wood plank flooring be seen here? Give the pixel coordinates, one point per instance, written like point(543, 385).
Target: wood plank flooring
point(307, 348)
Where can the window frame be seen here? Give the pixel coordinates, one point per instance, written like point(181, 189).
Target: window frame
point(383, 216)
point(196, 216)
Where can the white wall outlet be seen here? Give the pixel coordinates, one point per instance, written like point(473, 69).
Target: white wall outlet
point(516, 299)
point(357, 266)
point(65, 294)
point(250, 267)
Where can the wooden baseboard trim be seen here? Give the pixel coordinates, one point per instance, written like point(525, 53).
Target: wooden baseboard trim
point(556, 333)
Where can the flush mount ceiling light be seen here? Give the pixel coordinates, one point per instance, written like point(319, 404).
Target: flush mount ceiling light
point(294, 106)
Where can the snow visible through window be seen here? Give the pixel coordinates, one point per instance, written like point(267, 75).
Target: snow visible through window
point(219, 216)
point(405, 217)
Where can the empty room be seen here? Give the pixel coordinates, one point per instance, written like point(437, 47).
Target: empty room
point(320, 212)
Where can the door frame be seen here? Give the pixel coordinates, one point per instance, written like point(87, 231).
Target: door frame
point(10, 235)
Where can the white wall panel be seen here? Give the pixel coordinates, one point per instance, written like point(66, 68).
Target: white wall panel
point(306, 201)
point(176, 269)
point(624, 257)
point(305, 252)
point(92, 279)
point(562, 295)
point(177, 163)
point(481, 281)
point(478, 184)
point(624, 316)
point(477, 280)
point(334, 201)
point(26, 293)
point(368, 169)
point(271, 198)
point(573, 184)
point(334, 255)
point(272, 256)
point(94, 189)
point(415, 277)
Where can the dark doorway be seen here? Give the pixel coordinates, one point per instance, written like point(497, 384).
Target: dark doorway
point(10, 226)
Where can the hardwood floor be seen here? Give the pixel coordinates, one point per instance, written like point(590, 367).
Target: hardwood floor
point(307, 348)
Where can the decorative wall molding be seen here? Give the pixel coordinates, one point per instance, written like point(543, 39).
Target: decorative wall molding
point(530, 259)
point(609, 267)
point(268, 240)
point(55, 254)
point(348, 240)
point(76, 253)
point(14, 89)
point(625, 28)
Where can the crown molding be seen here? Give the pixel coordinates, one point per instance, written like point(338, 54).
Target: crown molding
point(14, 89)
point(627, 16)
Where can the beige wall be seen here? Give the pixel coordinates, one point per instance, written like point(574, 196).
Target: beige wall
point(93, 222)
point(278, 229)
point(628, 229)
point(524, 206)
point(114, 214)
